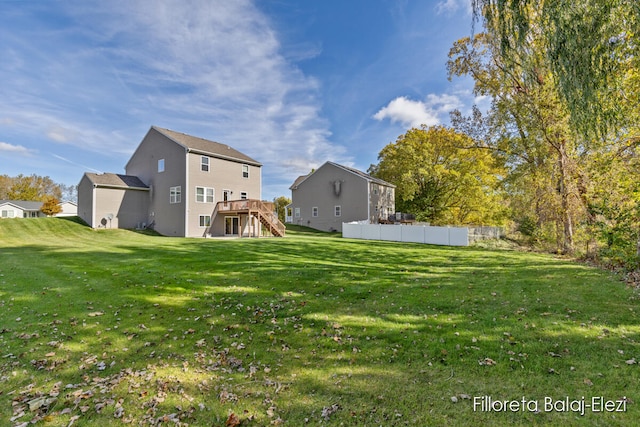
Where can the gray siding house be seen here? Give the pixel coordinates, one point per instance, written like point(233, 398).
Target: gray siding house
point(180, 185)
point(109, 200)
point(334, 194)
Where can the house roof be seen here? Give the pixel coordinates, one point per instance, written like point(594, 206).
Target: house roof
point(116, 181)
point(204, 146)
point(361, 174)
point(25, 205)
point(298, 181)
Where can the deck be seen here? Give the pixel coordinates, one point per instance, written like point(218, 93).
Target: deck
point(263, 211)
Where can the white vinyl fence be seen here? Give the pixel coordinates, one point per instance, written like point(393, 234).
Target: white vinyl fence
point(449, 236)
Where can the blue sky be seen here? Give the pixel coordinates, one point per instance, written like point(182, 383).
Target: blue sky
point(292, 83)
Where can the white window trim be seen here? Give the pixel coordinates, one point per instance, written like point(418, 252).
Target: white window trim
point(160, 165)
point(207, 221)
point(245, 166)
point(203, 164)
point(244, 195)
point(297, 212)
point(208, 195)
point(337, 210)
point(314, 211)
point(175, 195)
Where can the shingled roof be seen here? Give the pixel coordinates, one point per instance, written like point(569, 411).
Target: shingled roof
point(204, 146)
point(116, 181)
point(361, 174)
point(23, 204)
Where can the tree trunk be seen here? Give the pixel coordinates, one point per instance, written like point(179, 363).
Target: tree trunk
point(567, 222)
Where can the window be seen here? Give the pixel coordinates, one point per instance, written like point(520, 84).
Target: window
point(314, 211)
point(8, 214)
point(204, 164)
point(204, 195)
point(175, 194)
point(160, 165)
point(245, 171)
point(243, 195)
point(297, 212)
point(205, 220)
point(338, 211)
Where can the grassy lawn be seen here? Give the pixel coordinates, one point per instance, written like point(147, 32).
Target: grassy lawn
point(102, 328)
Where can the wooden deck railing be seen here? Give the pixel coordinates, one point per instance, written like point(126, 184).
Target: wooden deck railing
point(263, 210)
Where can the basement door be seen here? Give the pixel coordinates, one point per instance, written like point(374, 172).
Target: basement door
point(231, 226)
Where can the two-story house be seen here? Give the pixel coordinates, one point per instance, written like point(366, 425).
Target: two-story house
point(334, 194)
point(180, 185)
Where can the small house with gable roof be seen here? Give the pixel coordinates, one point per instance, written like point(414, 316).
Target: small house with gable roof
point(334, 194)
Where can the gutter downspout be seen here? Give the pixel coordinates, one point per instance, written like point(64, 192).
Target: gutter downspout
point(93, 205)
point(369, 201)
point(186, 192)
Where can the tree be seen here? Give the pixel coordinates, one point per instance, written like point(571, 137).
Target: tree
point(441, 177)
point(32, 188)
point(5, 185)
point(590, 45)
point(281, 206)
point(69, 193)
point(528, 127)
point(564, 82)
point(50, 206)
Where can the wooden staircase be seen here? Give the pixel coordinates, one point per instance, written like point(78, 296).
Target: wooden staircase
point(268, 218)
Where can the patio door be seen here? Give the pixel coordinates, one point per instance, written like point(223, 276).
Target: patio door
point(231, 225)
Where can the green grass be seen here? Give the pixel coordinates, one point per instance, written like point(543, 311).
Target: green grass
point(111, 327)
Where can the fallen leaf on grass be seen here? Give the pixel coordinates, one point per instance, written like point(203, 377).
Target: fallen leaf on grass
point(232, 421)
point(327, 411)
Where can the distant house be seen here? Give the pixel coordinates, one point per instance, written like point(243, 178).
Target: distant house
point(68, 209)
point(20, 209)
point(180, 185)
point(334, 194)
point(30, 209)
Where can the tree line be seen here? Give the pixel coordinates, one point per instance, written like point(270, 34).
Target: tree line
point(557, 154)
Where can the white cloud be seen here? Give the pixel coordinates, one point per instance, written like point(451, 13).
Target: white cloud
point(416, 113)
point(449, 7)
point(219, 65)
point(61, 134)
point(214, 69)
point(17, 149)
point(444, 103)
point(407, 112)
